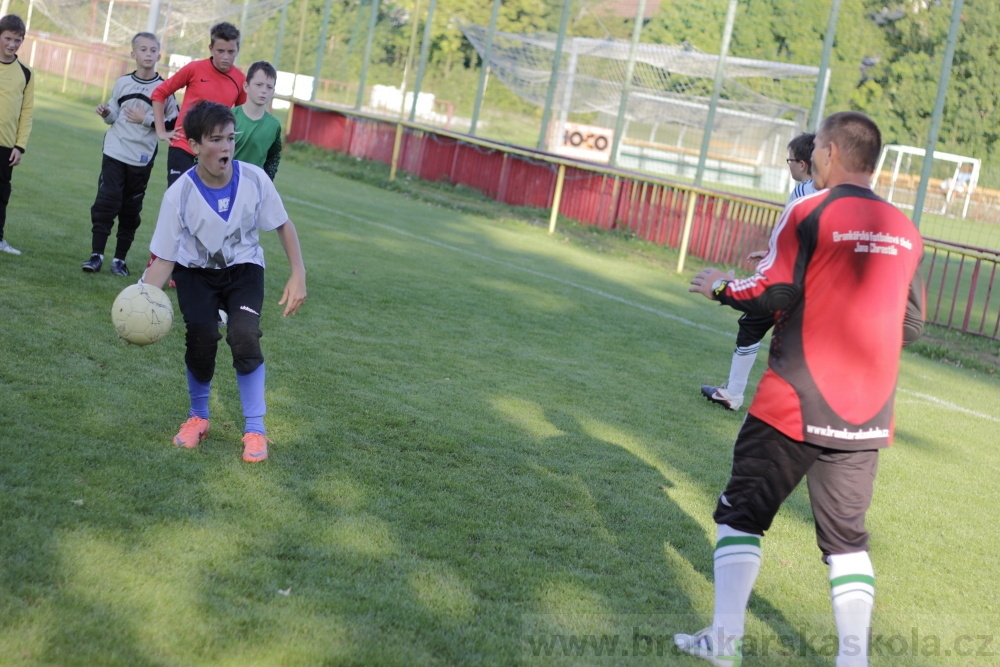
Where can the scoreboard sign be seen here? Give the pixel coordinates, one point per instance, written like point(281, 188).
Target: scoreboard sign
point(586, 142)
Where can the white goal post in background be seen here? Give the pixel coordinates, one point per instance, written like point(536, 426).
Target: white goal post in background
point(905, 176)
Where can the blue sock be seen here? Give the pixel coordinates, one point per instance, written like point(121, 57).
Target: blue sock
point(252, 397)
point(199, 392)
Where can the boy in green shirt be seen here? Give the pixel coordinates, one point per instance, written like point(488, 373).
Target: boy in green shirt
point(258, 133)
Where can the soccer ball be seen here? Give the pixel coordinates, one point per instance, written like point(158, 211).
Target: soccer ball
point(142, 314)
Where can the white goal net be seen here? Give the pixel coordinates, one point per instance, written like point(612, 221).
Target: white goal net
point(182, 25)
point(763, 104)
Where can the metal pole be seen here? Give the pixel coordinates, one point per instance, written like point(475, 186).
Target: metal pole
point(320, 49)
point(629, 70)
point(554, 77)
point(344, 61)
point(932, 138)
point(153, 16)
point(281, 34)
point(567, 97)
point(424, 50)
point(107, 22)
point(368, 54)
point(481, 91)
point(823, 79)
point(243, 18)
point(409, 58)
point(720, 71)
point(298, 50)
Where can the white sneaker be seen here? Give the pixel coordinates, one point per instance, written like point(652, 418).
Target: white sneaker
point(702, 645)
point(6, 247)
point(722, 396)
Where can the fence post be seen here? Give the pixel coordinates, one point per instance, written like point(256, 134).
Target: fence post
point(613, 204)
point(395, 151)
point(69, 59)
point(686, 236)
point(288, 116)
point(107, 75)
point(972, 296)
point(557, 198)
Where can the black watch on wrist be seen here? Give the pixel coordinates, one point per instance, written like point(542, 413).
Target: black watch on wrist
point(718, 287)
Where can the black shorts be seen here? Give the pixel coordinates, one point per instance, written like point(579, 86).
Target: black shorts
point(768, 465)
point(238, 289)
point(753, 328)
point(178, 162)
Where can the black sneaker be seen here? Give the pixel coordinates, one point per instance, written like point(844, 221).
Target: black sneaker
point(93, 265)
point(119, 268)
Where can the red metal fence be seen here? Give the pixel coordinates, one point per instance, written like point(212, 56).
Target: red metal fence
point(960, 286)
point(725, 228)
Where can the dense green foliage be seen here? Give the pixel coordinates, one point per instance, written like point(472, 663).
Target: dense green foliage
point(887, 68)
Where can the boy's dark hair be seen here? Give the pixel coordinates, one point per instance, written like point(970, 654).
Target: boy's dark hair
point(858, 138)
point(802, 148)
point(262, 66)
point(13, 23)
point(205, 117)
point(225, 31)
point(145, 35)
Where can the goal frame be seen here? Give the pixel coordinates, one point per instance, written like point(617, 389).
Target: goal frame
point(953, 182)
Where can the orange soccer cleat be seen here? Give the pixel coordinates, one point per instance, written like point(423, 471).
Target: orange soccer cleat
point(192, 431)
point(255, 447)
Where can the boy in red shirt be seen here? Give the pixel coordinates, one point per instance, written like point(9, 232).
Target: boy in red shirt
point(215, 79)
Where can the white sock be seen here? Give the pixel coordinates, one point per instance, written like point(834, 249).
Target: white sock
point(737, 562)
point(739, 370)
point(852, 591)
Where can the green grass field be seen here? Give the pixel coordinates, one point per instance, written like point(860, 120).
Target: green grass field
point(490, 448)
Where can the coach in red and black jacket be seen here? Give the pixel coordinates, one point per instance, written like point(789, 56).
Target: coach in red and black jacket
point(842, 280)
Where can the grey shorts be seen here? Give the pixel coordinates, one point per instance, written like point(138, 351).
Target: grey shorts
point(768, 465)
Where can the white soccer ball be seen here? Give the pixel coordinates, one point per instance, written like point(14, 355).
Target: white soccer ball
point(142, 314)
